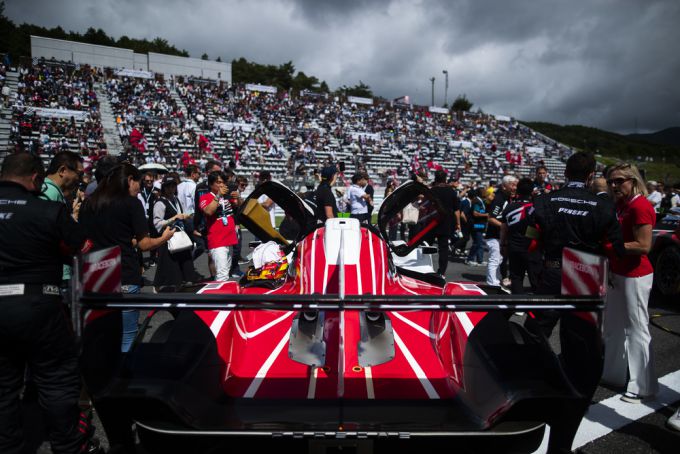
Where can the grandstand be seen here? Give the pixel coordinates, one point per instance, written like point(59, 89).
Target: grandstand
point(93, 111)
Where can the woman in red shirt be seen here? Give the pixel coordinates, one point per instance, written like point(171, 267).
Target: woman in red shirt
point(626, 320)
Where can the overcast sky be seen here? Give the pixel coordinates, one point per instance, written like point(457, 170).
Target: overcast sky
point(610, 64)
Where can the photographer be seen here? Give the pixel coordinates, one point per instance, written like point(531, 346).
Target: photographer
point(174, 268)
point(221, 226)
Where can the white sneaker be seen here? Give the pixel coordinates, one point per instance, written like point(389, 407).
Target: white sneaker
point(674, 421)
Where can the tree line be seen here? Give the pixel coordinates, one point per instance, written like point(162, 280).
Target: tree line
point(15, 40)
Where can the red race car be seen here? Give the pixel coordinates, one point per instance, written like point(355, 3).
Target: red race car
point(329, 345)
point(665, 254)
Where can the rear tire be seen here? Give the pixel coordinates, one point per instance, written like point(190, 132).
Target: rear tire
point(667, 271)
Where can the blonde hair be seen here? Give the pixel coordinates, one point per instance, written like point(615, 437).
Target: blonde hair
point(632, 172)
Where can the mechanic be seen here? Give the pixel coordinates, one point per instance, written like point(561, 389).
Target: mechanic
point(572, 217)
point(326, 207)
point(36, 238)
point(514, 242)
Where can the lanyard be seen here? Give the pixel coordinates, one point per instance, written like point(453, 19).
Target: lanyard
point(147, 197)
point(177, 208)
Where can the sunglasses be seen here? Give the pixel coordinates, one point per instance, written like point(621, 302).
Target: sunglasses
point(617, 181)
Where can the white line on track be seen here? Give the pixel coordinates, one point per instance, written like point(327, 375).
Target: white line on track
point(613, 413)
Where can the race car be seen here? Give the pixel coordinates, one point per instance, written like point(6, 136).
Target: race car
point(340, 349)
point(665, 253)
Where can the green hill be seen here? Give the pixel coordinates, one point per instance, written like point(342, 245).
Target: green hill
point(668, 136)
point(660, 161)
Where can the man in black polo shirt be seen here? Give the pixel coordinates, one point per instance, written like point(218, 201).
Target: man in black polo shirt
point(448, 199)
point(34, 330)
point(326, 206)
point(574, 217)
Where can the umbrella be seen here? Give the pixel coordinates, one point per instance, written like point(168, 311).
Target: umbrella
point(159, 168)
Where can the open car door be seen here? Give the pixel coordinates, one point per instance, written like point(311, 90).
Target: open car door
point(414, 204)
point(298, 220)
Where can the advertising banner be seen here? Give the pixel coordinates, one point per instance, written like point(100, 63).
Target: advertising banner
point(258, 87)
point(58, 113)
point(439, 110)
point(134, 73)
point(359, 100)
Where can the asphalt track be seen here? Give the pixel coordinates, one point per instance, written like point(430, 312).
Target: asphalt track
point(611, 426)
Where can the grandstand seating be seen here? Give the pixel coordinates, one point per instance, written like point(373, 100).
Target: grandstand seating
point(275, 132)
point(55, 108)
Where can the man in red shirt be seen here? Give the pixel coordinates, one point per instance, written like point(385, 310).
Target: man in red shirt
point(218, 209)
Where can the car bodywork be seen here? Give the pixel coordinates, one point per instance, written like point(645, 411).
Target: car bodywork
point(348, 350)
point(665, 253)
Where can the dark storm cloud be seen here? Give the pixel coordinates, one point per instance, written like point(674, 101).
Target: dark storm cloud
point(604, 63)
point(325, 11)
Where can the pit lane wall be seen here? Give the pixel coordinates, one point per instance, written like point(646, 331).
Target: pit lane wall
point(114, 57)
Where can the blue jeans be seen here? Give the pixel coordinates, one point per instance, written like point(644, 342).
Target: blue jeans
point(477, 249)
point(130, 319)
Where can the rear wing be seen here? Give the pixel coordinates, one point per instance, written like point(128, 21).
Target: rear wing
point(96, 285)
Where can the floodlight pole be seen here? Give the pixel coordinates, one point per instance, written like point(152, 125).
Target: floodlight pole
point(446, 88)
point(432, 80)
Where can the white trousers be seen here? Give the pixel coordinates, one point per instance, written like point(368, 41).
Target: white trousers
point(627, 341)
point(222, 258)
point(495, 260)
